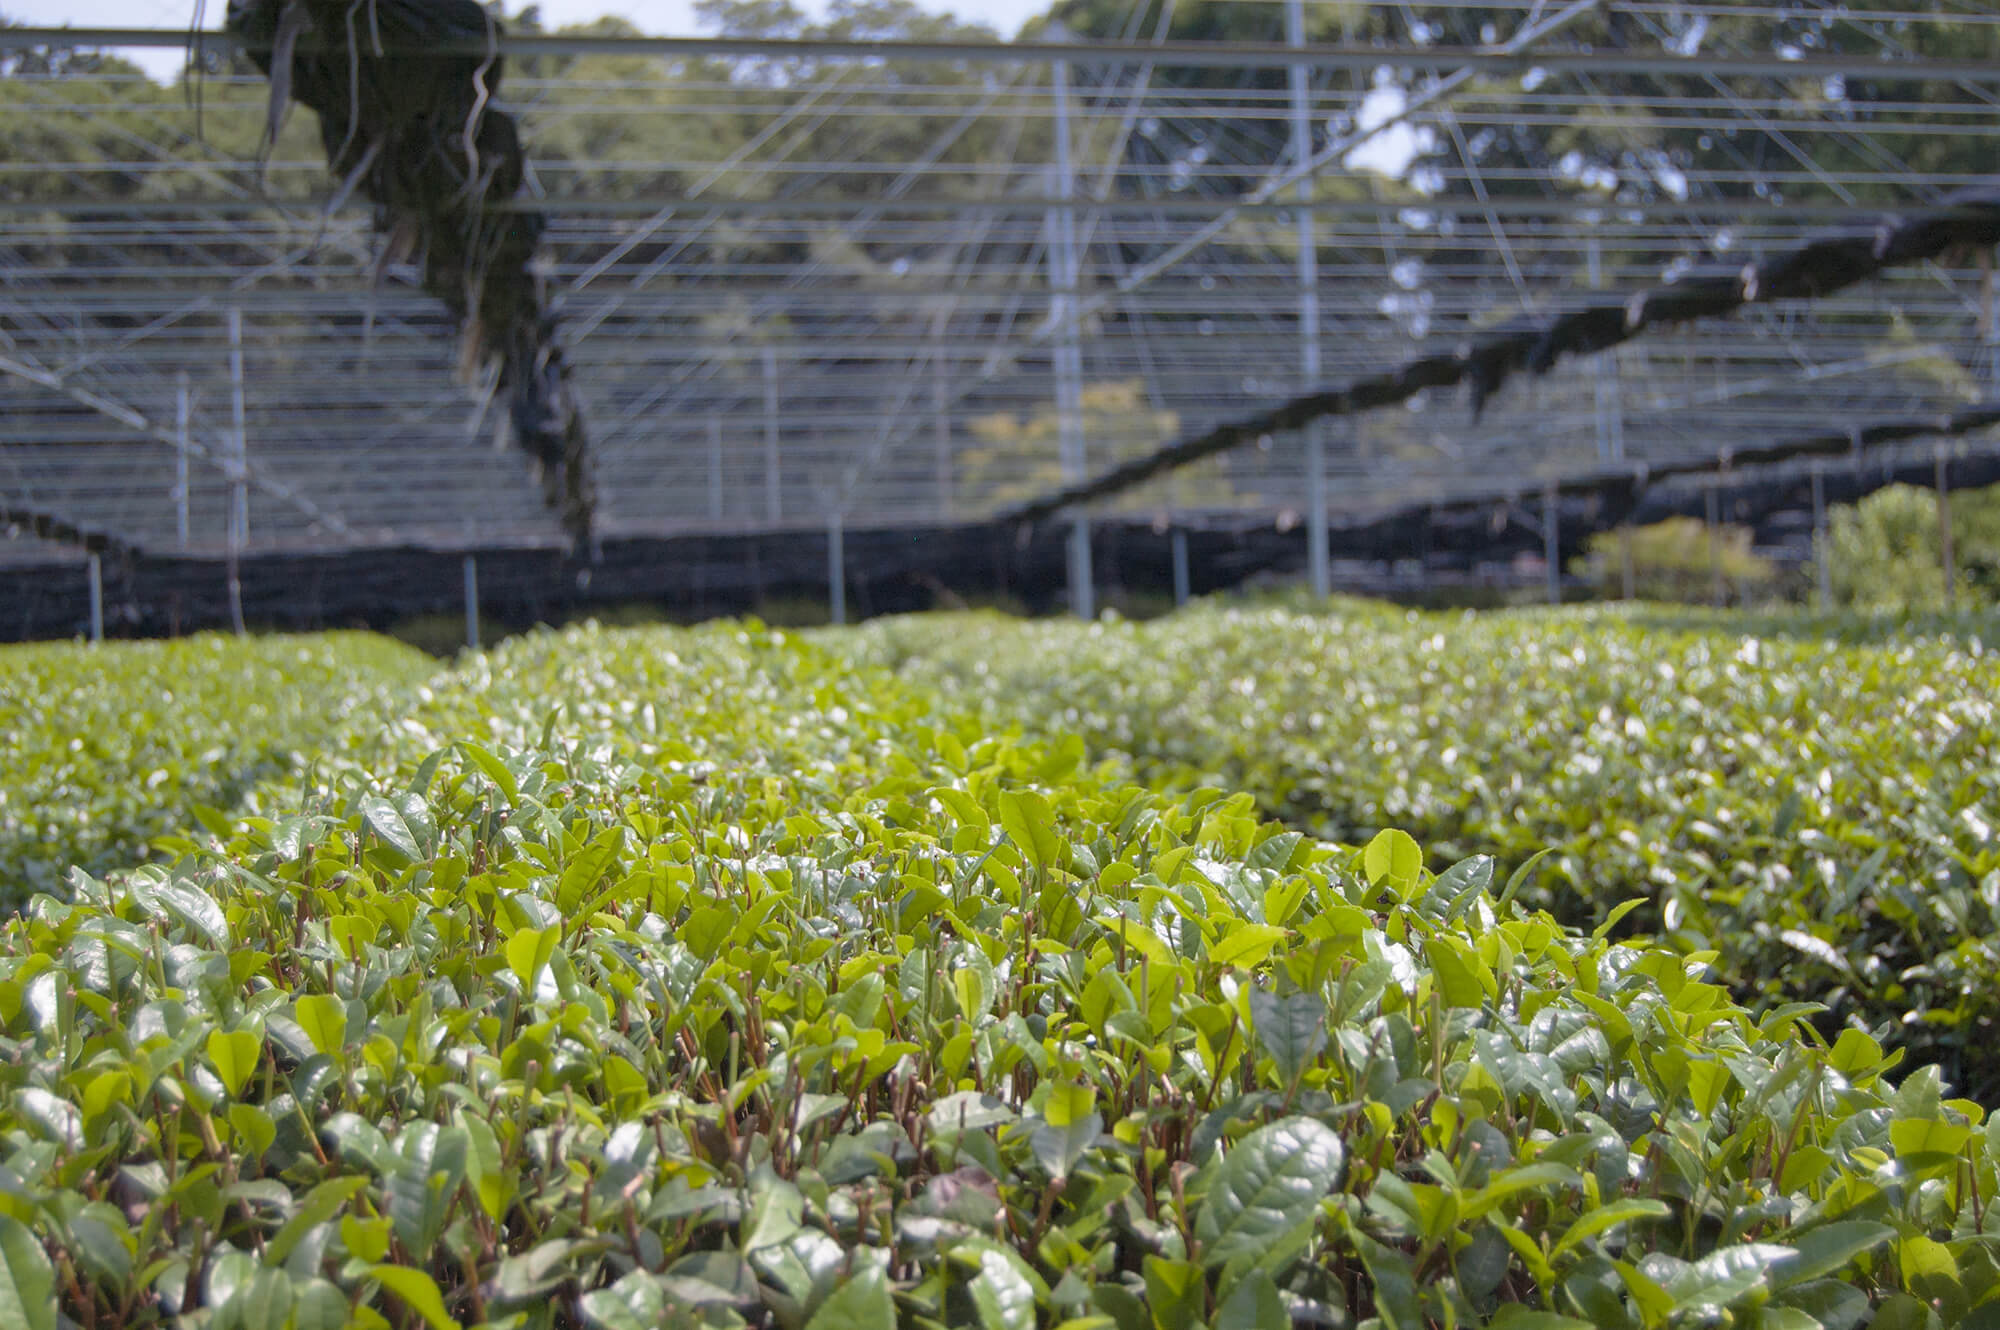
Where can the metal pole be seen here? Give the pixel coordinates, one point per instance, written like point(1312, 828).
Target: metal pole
point(714, 466)
point(96, 598)
point(238, 520)
point(235, 595)
point(1181, 588)
point(1317, 560)
point(1944, 529)
point(1063, 275)
point(773, 499)
point(1822, 547)
point(1717, 592)
point(836, 569)
point(239, 443)
point(1610, 399)
point(472, 602)
point(181, 459)
point(1552, 540)
point(941, 423)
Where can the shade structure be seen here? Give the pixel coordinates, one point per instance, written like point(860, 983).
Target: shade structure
point(923, 281)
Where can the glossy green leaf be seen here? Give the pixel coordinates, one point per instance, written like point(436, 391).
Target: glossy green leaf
point(1269, 1182)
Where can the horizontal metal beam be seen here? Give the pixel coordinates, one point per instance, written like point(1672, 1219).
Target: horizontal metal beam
point(1211, 55)
point(1692, 211)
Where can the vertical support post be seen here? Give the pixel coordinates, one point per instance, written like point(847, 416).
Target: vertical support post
point(1822, 547)
point(239, 443)
point(1552, 540)
point(1317, 553)
point(836, 569)
point(235, 595)
point(238, 521)
point(1181, 585)
point(1718, 592)
point(472, 602)
point(96, 599)
point(181, 412)
point(941, 428)
point(714, 467)
point(1318, 556)
point(1063, 275)
point(1944, 528)
point(773, 495)
point(1608, 390)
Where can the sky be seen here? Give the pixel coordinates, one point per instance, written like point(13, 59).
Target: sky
point(662, 18)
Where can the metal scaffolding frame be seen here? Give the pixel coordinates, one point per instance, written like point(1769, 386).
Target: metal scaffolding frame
point(925, 282)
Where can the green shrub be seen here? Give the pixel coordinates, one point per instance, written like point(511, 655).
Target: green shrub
point(701, 979)
point(1674, 561)
point(1886, 552)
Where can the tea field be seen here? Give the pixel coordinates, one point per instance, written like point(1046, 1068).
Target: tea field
point(727, 977)
point(1816, 802)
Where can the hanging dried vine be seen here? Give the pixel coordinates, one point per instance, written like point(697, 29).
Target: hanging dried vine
point(404, 93)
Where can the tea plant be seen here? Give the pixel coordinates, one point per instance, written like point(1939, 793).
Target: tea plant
point(102, 750)
point(747, 987)
point(1820, 815)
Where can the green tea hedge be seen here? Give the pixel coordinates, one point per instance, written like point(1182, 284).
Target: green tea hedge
point(705, 979)
point(1822, 815)
point(101, 750)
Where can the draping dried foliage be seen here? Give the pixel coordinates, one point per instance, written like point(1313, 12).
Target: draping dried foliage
point(42, 524)
point(404, 93)
point(1968, 223)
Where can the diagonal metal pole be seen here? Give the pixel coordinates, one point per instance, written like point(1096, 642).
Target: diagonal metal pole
point(140, 423)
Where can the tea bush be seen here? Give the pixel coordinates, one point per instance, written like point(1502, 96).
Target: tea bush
point(707, 979)
point(1821, 815)
point(103, 749)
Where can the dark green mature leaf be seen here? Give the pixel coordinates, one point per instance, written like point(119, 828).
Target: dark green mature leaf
point(27, 1279)
point(316, 1207)
point(635, 1302)
point(1827, 1249)
point(385, 820)
point(864, 1302)
point(1058, 1149)
point(1270, 1181)
point(1254, 1304)
point(1290, 1027)
point(1397, 1301)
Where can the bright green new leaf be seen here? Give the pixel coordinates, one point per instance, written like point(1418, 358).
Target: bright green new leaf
point(1030, 822)
point(324, 1019)
point(1393, 859)
point(1246, 946)
point(529, 950)
point(234, 1055)
point(418, 1291)
point(1069, 1103)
